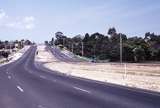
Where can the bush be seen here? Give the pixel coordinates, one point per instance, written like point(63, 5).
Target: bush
point(5, 54)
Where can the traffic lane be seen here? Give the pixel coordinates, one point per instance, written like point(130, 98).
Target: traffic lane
point(59, 56)
point(118, 94)
point(145, 96)
point(138, 95)
point(67, 93)
point(56, 52)
point(6, 66)
point(72, 87)
point(11, 95)
point(123, 94)
point(55, 94)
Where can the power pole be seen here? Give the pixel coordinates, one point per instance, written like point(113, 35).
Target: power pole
point(63, 42)
point(82, 48)
point(72, 47)
point(52, 41)
point(10, 47)
point(121, 48)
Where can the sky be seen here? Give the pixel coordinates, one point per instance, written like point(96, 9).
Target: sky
point(38, 20)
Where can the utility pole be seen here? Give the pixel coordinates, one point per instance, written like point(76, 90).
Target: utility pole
point(121, 58)
point(72, 48)
point(95, 51)
point(10, 50)
point(121, 48)
point(95, 58)
point(63, 42)
point(82, 48)
point(52, 41)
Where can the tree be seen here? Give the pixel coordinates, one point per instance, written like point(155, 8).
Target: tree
point(52, 41)
point(86, 37)
point(158, 55)
point(60, 39)
point(26, 42)
point(46, 42)
point(59, 35)
point(128, 54)
point(112, 31)
point(139, 54)
point(1, 45)
point(134, 49)
point(77, 44)
point(114, 53)
point(5, 55)
point(6, 42)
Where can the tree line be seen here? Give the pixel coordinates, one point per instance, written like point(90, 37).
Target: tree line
point(7, 47)
point(107, 47)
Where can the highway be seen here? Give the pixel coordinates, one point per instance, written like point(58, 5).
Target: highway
point(26, 85)
point(57, 53)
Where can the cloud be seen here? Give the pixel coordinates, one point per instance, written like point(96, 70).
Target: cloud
point(29, 22)
point(29, 19)
point(2, 14)
point(13, 25)
point(22, 23)
point(30, 26)
point(25, 23)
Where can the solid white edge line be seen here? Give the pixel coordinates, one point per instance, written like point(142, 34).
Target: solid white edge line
point(77, 88)
point(20, 88)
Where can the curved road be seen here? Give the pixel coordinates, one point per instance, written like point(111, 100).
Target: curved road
point(26, 85)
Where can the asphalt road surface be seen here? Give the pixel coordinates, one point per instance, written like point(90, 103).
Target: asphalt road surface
point(26, 85)
point(57, 53)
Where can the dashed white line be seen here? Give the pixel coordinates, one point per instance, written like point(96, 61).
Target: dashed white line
point(41, 106)
point(43, 77)
point(19, 88)
point(77, 88)
point(9, 77)
point(30, 72)
point(7, 70)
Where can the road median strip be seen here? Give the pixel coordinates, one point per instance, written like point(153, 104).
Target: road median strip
point(145, 76)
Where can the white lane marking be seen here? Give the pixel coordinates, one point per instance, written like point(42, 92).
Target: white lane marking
point(77, 88)
point(54, 80)
point(20, 88)
point(43, 77)
point(9, 77)
point(30, 72)
point(41, 106)
point(7, 70)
